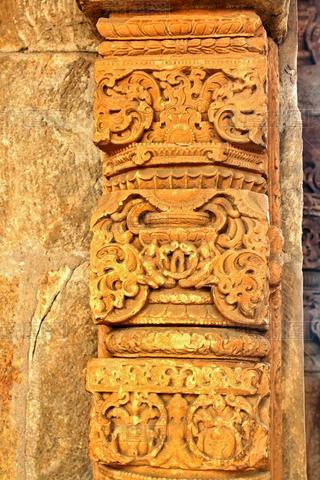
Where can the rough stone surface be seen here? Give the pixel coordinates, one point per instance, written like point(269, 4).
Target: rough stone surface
point(45, 25)
point(57, 407)
point(50, 170)
point(291, 191)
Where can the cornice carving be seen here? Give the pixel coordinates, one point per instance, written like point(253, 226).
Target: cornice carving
point(274, 14)
point(181, 25)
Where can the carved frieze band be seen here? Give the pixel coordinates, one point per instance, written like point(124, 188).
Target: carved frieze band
point(185, 256)
point(181, 105)
point(181, 25)
point(194, 341)
point(195, 414)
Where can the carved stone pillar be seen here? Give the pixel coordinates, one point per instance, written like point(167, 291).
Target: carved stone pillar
point(186, 250)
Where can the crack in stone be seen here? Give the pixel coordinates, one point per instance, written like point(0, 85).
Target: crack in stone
point(46, 301)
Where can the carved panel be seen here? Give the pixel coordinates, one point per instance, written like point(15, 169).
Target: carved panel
point(172, 414)
point(221, 245)
point(186, 249)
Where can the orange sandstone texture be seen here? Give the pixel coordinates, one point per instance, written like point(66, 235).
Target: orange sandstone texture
point(186, 236)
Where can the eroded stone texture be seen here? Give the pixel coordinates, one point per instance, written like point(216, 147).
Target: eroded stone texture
point(291, 195)
point(43, 25)
point(57, 407)
point(49, 170)
point(47, 194)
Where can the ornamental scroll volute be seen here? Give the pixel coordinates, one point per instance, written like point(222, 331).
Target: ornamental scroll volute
point(185, 249)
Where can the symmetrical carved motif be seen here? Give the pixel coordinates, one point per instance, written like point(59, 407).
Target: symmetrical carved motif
point(179, 25)
point(186, 249)
point(170, 414)
point(220, 243)
point(181, 106)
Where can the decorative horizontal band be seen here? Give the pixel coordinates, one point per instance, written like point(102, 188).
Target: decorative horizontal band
point(208, 176)
point(138, 156)
point(177, 376)
point(201, 24)
point(194, 342)
point(222, 46)
point(103, 472)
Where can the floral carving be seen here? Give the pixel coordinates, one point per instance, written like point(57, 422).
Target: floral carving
point(193, 46)
point(131, 427)
point(222, 430)
point(176, 376)
point(174, 106)
point(311, 242)
point(187, 421)
point(180, 25)
point(185, 249)
point(134, 251)
point(174, 342)
point(241, 286)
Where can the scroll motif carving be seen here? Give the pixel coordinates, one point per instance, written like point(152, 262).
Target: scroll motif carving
point(220, 45)
point(309, 35)
point(186, 250)
point(181, 106)
point(311, 242)
point(174, 342)
point(131, 255)
point(195, 428)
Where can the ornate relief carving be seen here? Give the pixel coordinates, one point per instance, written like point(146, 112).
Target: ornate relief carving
point(220, 45)
point(102, 472)
point(309, 32)
point(196, 429)
point(181, 177)
point(175, 342)
point(311, 304)
point(181, 106)
point(181, 25)
point(142, 155)
point(176, 376)
point(311, 242)
point(149, 242)
point(185, 243)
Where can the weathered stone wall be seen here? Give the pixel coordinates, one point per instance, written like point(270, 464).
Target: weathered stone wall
point(51, 177)
point(50, 181)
